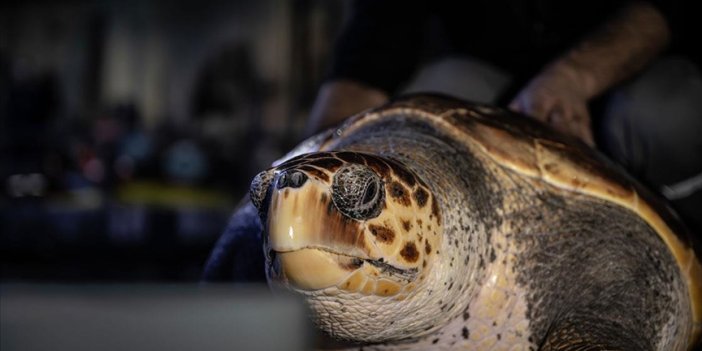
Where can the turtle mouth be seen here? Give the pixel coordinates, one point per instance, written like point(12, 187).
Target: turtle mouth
point(317, 268)
point(408, 274)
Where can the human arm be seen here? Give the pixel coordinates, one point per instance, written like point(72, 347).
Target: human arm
point(377, 51)
point(619, 49)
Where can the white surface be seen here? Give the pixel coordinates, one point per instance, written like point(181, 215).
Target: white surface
point(157, 317)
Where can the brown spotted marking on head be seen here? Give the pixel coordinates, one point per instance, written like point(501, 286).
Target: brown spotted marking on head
point(406, 225)
point(435, 212)
point(346, 220)
point(409, 252)
point(378, 165)
point(403, 174)
point(382, 234)
point(399, 193)
point(420, 196)
point(407, 203)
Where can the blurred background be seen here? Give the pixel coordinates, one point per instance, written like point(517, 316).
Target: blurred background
point(130, 129)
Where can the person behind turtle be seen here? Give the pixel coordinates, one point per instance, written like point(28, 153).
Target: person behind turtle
point(558, 62)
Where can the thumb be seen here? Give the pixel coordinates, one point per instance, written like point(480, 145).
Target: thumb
point(586, 136)
point(584, 130)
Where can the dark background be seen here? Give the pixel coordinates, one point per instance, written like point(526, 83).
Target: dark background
point(130, 129)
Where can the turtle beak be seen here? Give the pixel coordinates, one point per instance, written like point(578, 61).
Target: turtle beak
point(310, 269)
point(305, 241)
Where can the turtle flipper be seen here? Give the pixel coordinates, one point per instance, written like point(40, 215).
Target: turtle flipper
point(583, 332)
point(238, 254)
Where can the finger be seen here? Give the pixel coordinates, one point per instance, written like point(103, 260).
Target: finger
point(558, 117)
point(532, 104)
point(588, 138)
point(515, 106)
point(580, 124)
point(585, 130)
point(558, 122)
point(574, 123)
point(537, 107)
point(562, 120)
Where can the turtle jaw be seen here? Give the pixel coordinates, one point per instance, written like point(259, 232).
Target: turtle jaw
point(312, 269)
point(308, 247)
point(311, 246)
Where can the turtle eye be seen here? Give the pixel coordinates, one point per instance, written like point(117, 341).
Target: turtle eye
point(356, 192)
point(371, 193)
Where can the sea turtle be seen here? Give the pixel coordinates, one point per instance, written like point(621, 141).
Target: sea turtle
point(436, 223)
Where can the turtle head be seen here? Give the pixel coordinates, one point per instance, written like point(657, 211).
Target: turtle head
point(347, 223)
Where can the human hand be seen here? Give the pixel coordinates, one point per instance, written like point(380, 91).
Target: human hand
point(558, 97)
point(338, 99)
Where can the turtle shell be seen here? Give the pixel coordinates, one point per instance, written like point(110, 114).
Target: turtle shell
point(533, 150)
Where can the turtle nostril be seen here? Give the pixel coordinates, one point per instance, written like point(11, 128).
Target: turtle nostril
point(292, 179)
point(282, 181)
point(297, 179)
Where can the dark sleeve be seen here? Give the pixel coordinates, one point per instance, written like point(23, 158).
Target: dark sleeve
point(380, 44)
point(238, 254)
point(685, 25)
point(673, 13)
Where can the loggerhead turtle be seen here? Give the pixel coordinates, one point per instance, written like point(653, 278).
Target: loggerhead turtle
point(435, 223)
